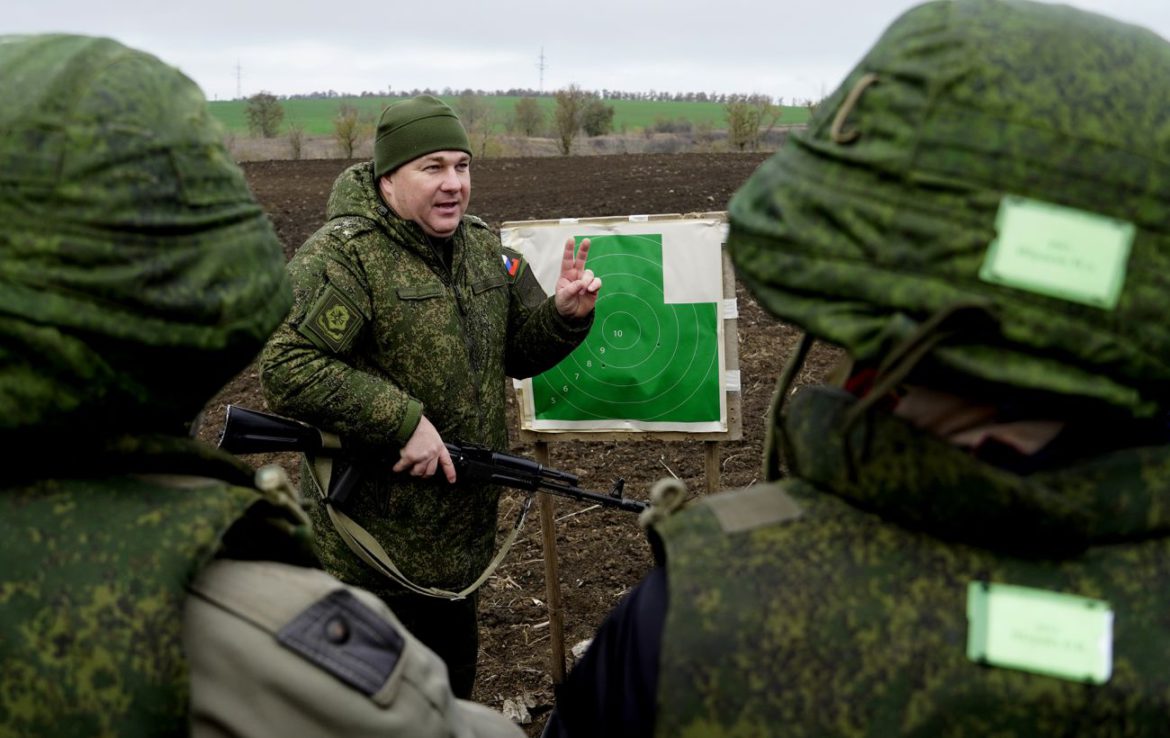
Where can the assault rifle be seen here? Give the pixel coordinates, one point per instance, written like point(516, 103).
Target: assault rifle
point(253, 432)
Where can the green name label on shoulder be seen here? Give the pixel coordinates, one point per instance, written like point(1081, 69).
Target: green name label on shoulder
point(1060, 635)
point(1059, 252)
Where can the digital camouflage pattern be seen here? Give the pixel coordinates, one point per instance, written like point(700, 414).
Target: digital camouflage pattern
point(125, 224)
point(860, 231)
point(136, 275)
point(382, 332)
point(93, 568)
point(846, 614)
point(835, 602)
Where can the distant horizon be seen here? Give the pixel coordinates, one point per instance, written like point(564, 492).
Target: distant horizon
point(316, 115)
point(660, 95)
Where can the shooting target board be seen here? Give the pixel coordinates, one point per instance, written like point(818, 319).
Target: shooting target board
point(661, 358)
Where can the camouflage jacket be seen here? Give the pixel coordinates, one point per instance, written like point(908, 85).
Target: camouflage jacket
point(93, 569)
point(381, 332)
point(835, 603)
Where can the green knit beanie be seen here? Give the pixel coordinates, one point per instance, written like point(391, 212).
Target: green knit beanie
point(413, 128)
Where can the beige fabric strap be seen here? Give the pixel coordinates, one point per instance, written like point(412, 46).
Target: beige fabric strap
point(758, 506)
point(370, 551)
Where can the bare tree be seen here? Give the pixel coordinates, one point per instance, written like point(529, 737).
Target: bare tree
point(296, 139)
point(473, 110)
point(479, 118)
point(705, 135)
point(742, 124)
point(749, 120)
point(567, 116)
point(346, 129)
point(264, 114)
point(527, 117)
point(769, 115)
point(482, 135)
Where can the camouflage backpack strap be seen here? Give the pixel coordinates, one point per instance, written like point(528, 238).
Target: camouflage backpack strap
point(367, 548)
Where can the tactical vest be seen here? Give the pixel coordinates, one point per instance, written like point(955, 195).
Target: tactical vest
point(91, 595)
point(836, 603)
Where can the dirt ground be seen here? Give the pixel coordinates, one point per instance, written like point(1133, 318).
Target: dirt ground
point(601, 553)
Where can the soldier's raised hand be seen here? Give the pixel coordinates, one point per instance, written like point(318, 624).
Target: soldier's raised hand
point(577, 287)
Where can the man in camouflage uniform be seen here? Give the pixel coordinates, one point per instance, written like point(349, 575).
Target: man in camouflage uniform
point(408, 315)
point(974, 539)
point(147, 587)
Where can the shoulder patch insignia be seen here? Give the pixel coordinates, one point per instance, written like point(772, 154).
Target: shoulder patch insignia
point(333, 321)
point(513, 265)
point(342, 636)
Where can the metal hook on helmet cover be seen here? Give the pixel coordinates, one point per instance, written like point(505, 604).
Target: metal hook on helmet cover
point(837, 131)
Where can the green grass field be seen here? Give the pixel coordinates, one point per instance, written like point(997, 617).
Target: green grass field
point(629, 116)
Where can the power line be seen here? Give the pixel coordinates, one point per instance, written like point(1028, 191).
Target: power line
point(541, 66)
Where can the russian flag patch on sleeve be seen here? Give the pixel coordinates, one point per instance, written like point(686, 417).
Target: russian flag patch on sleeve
point(512, 264)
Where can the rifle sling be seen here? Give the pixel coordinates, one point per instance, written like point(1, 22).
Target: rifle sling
point(370, 551)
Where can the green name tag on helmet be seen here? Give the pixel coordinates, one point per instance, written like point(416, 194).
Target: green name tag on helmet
point(1059, 635)
point(1059, 252)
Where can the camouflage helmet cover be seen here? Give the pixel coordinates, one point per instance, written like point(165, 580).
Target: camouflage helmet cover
point(881, 215)
point(137, 272)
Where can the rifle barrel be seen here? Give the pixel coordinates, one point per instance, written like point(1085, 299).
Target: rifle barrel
point(253, 432)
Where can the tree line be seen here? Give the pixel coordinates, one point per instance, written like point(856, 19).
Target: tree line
point(575, 112)
point(604, 94)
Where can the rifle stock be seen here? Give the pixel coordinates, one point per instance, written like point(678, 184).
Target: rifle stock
point(253, 432)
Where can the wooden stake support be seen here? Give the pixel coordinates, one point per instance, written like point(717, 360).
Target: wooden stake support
point(552, 578)
point(712, 470)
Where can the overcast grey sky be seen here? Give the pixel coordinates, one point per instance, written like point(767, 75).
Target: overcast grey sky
point(795, 50)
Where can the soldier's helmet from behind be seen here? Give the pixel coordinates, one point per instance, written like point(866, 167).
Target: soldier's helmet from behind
point(992, 181)
point(137, 272)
